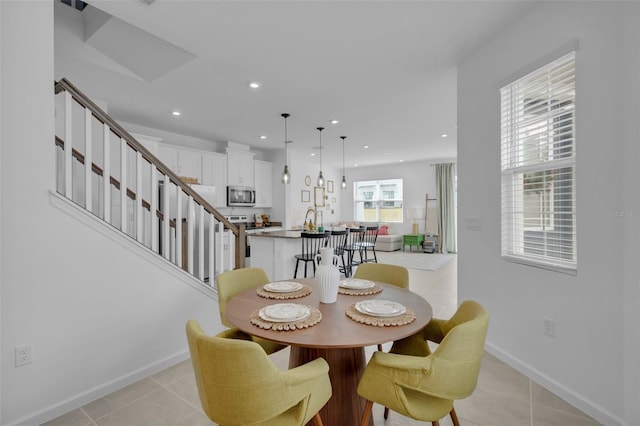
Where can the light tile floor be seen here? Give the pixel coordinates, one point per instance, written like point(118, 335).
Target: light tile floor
point(503, 396)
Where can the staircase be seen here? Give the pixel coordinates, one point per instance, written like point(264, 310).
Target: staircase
point(106, 171)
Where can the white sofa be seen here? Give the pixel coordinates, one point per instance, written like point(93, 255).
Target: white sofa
point(390, 242)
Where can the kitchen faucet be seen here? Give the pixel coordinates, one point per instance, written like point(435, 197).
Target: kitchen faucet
point(315, 217)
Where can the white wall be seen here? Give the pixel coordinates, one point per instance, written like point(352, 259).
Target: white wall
point(631, 203)
point(584, 363)
point(287, 202)
point(2, 26)
point(419, 178)
point(95, 325)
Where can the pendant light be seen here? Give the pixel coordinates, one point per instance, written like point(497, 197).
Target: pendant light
point(320, 181)
point(286, 177)
point(344, 181)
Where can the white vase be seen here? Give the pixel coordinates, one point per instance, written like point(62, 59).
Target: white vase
point(328, 275)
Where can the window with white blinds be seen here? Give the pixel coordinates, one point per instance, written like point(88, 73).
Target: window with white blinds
point(538, 167)
point(378, 200)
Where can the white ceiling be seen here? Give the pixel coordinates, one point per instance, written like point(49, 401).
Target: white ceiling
point(385, 69)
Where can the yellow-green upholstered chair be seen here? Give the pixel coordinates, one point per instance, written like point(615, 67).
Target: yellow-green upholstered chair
point(233, 282)
point(423, 385)
point(239, 385)
point(389, 274)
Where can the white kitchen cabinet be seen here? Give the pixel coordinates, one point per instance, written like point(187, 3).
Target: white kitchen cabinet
point(214, 173)
point(169, 156)
point(239, 167)
point(183, 162)
point(190, 164)
point(263, 172)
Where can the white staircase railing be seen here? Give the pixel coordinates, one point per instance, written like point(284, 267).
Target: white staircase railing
point(102, 168)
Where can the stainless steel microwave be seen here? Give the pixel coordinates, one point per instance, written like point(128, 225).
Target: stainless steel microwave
point(244, 196)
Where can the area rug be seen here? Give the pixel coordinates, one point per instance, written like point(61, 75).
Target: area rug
point(415, 260)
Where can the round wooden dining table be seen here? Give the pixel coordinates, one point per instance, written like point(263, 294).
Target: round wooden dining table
point(336, 338)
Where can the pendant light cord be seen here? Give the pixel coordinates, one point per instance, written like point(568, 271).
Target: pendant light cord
point(343, 138)
point(286, 178)
point(320, 128)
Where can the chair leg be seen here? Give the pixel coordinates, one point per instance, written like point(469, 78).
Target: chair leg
point(436, 423)
point(386, 413)
point(454, 417)
point(317, 419)
point(380, 349)
point(366, 413)
point(350, 257)
point(295, 273)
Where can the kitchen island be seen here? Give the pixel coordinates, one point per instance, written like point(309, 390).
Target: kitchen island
point(274, 252)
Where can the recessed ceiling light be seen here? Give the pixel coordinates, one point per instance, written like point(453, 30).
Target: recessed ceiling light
point(313, 154)
point(335, 121)
point(401, 161)
point(444, 135)
point(254, 85)
point(176, 113)
point(263, 137)
point(355, 165)
point(365, 146)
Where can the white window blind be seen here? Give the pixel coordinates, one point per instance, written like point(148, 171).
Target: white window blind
point(538, 167)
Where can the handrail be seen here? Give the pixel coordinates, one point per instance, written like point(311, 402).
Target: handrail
point(104, 118)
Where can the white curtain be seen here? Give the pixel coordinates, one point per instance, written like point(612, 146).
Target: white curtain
point(446, 207)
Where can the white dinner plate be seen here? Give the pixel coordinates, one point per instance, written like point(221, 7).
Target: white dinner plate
point(284, 312)
point(356, 284)
point(282, 286)
point(380, 308)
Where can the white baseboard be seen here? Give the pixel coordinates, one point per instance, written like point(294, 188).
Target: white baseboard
point(588, 407)
point(84, 398)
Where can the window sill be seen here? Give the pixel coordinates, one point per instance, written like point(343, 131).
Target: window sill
point(569, 270)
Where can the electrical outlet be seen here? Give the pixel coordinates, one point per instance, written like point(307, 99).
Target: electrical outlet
point(549, 327)
point(24, 355)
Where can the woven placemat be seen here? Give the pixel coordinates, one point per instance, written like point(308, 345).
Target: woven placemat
point(360, 291)
point(304, 291)
point(406, 318)
point(309, 321)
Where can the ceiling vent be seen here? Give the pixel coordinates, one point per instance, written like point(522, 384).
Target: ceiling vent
point(76, 4)
point(148, 2)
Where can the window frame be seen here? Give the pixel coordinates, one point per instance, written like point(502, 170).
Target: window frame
point(377, 200)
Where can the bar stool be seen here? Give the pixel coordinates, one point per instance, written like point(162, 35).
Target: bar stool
point(368, 244)
point(354, 238)
point(312, 242)
point(337, 240)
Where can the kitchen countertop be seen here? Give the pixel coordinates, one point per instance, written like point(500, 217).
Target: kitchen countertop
point(291, 233)
point(278, 234)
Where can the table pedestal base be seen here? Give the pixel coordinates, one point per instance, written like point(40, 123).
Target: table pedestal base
point(346, 366)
